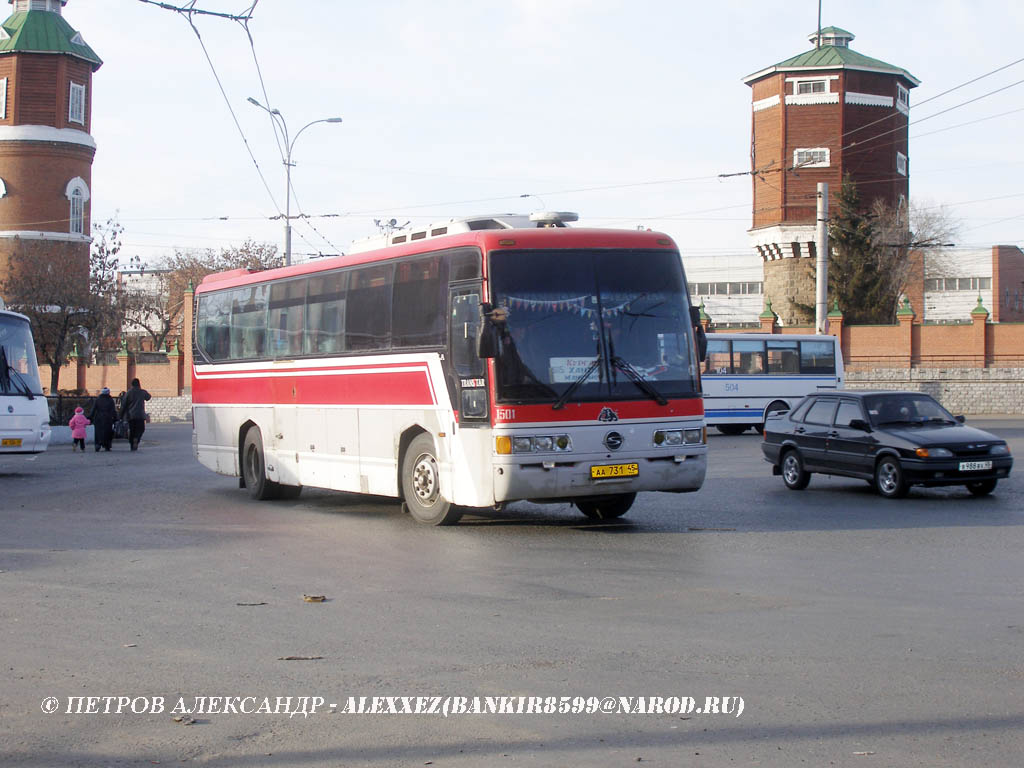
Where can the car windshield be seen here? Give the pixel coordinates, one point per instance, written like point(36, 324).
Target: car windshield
point(19, 373)
point(906, 409)
point(592, 324)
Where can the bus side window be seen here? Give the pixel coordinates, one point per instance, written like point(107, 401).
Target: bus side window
point(718, 360)
point(465, 327)
point(368, 310)
point(818, 357)
point(748, 357)
point(325, 314)
point(783, 357)
point(285, 319)
point(417, 318)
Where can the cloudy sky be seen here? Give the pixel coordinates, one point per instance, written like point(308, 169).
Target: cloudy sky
point(626, 111)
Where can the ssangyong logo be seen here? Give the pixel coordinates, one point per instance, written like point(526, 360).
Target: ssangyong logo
point(607, 414)
point(613, 441)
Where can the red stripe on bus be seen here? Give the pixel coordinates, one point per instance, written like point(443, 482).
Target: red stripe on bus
point(646, 409)
point(383, 388)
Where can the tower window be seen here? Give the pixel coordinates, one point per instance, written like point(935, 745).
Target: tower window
point(901, 164)
point(76, 104)
point(818, 157)
point(77, 213)
point(3, 99)
point(77, 194)
point(811, 86)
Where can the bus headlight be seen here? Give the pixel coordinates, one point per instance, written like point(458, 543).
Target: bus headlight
point(668, 437)
point(692, 436)
point(544, 443)
point(505, 444)
point(522, 444)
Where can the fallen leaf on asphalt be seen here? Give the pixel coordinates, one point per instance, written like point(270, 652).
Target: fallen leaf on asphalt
point(184, 720)
point(250, 604)
point(130, 645)
point(298, 658)
point(862, 754)
point(314, 598)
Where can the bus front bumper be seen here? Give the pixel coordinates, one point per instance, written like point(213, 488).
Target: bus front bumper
point(569, 480)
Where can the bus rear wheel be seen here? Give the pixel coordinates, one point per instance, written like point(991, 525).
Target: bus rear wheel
point(421, 485)
point(254, 471)
point(606, 507)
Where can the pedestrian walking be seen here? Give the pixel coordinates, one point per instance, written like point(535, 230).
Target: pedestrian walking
point(78, 423)
point(133, 408)
point(103, 416)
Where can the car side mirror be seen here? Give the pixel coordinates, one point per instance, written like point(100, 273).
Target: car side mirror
point(860, 424)
point(960, 419)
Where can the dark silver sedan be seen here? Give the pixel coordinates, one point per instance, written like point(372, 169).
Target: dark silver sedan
point(891, 439)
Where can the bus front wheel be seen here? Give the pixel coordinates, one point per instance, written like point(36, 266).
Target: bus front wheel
point(421, 485)
point(606, 507)
point(254, 471)
point(254, 467)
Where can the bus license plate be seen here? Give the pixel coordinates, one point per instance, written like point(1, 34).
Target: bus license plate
point(973, 466)
point(11, 442)
point(601, 471)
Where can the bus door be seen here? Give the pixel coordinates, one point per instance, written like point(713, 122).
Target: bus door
point(466, 374)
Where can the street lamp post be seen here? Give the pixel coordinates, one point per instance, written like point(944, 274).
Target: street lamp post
point(289, 144)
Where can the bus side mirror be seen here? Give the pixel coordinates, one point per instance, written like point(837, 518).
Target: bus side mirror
point(695, 316)
point(702, 342)
point(488, 342)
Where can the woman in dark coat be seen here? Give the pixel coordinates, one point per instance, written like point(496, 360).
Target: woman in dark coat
point(103, 416)
point(133, 408)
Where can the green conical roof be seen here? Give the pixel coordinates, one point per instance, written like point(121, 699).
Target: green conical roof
point(44, 32)
point(830, 56)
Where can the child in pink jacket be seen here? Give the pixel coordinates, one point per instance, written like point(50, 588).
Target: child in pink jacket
point(78, 424)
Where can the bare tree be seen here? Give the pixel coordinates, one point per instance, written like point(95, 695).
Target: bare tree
point(66, 297)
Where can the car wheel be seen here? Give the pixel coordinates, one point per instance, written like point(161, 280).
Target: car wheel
point(421, 485)
point(982, 487)
point(254, 467)
point(732, 429)
point(606, 508)
point(794, 475)
point(889, 479)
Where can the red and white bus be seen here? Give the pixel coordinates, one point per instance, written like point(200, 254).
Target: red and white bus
point(470, 364)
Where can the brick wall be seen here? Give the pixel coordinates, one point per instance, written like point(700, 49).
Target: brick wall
point(960, 390)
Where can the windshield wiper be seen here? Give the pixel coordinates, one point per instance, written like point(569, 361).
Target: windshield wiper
point(6, 369)
point(637, 378)
point(560, 403)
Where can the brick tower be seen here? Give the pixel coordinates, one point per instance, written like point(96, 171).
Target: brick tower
point(46, 150)
point(818, 116)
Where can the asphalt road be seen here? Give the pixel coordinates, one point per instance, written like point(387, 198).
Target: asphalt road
point(858, 632)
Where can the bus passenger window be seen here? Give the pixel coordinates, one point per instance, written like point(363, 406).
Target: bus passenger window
point(718, 360)
point(818, 357)
point(285, 319)
point(783, 357)
point(325, 314)
point(748, 357)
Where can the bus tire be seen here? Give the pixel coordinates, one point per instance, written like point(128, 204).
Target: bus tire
point(421, 485)
point(606, 507)
point(732, 429)
point(254, 467)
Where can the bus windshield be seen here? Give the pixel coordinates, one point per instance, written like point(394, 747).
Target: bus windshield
point(19, 374)
point(591, 325)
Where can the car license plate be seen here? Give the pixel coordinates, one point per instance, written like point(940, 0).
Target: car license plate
point(11, 442)
point(974, 466)
point(601, 471)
